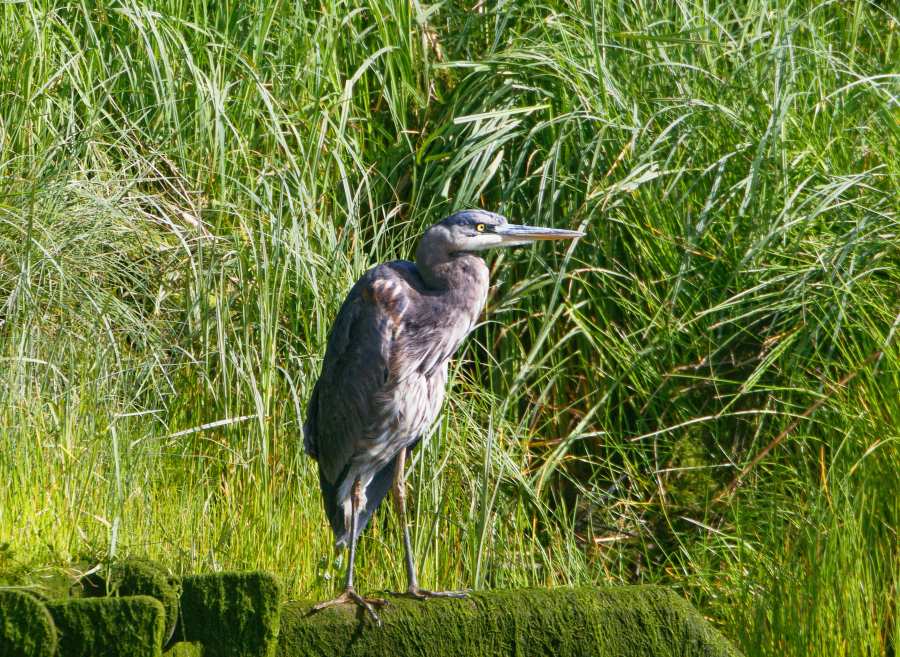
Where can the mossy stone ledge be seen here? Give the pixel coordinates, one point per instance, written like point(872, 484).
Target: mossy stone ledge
point(26, 627)
point(109, 627)
point(133, 576)
point(242, 615)
point(231, 614)
point(635, 621)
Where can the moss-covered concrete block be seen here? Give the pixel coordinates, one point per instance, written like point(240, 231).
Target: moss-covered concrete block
point(231, 614)
point(638, 621)
point(26, 627)
point(109, 627)
point(131, 577)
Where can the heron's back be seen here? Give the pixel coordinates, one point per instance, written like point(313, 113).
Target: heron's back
point(382, 383)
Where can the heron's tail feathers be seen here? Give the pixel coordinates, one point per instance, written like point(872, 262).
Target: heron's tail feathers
point(337, 506)
point(309, 427)
point(333, 507)
point(309, 440)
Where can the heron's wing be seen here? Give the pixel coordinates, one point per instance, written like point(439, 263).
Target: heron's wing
point(348, 403)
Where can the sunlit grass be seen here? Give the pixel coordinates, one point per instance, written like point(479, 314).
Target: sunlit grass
point(188, 190)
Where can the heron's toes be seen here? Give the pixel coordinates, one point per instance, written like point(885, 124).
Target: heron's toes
point(422, 594)
point(351, 596)
point(341, 599)
point(369, 605)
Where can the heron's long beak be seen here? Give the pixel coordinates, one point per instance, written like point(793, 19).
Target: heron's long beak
point(513, 235)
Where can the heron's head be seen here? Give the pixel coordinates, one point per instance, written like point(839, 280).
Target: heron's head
point(477, 230)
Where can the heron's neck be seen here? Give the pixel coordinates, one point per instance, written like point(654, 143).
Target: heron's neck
point(464, 277)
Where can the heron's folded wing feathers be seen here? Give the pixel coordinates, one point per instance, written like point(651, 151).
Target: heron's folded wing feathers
point(347, 405)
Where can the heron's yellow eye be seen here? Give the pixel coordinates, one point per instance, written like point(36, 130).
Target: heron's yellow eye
point(480, 228)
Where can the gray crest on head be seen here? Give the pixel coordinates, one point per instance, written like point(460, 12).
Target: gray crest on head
point(472, 217)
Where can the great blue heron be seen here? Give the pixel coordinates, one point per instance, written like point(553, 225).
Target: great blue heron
point(385, 370)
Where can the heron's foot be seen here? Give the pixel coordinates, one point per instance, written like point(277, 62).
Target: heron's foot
point(350, 595)
point(422, 594)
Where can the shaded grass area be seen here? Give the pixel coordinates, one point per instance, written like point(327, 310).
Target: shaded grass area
point(187, 191)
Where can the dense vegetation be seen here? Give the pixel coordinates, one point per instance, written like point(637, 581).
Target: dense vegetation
point(188, 189)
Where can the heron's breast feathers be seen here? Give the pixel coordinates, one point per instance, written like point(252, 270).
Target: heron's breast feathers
point(385, 369)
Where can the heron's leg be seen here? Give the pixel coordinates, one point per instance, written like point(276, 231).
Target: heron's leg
point(400, 501)
point(354, 516)
point(412, 589)
point(349, 594)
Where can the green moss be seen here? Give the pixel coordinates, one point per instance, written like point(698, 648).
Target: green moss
point(640, 621)
point(182, 649)
point(109, 627)
point(131, 577)
point(26, 628)
point(231, 614)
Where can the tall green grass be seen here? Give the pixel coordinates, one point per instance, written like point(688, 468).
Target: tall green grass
point(187, 190)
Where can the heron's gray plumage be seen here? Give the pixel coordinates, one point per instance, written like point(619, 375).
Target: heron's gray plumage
point(385, 369)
